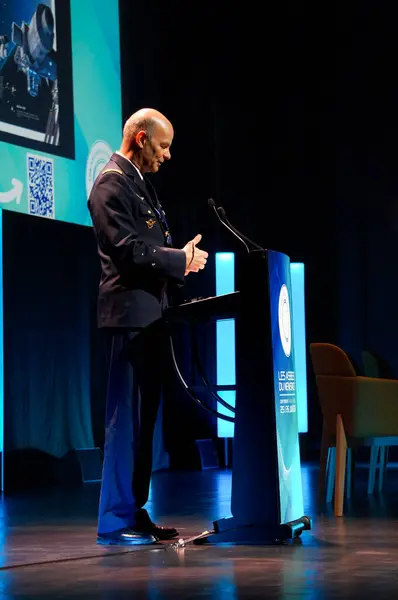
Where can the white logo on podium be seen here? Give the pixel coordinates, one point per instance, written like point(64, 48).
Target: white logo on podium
point(284, 320)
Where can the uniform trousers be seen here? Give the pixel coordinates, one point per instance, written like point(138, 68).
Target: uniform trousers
point(134, 391)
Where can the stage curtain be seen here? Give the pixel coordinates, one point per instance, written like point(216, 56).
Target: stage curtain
point(46, 294)
point(55, 367)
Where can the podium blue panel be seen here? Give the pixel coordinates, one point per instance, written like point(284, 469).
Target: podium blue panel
point(288, 450)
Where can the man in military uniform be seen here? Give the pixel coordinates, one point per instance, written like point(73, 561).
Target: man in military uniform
point(138, 263)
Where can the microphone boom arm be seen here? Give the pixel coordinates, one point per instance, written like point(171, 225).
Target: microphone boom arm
point(222, 212)
point(222, 217)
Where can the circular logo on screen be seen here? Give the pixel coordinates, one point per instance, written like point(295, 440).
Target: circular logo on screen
point(99, 155)
point(284, 320)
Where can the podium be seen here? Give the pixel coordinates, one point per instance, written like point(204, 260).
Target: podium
point(266, 497)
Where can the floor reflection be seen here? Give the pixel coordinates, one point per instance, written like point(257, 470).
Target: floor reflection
point(354, 556)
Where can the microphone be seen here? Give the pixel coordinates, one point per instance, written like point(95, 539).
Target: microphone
point(212, 205)
point(222, 217)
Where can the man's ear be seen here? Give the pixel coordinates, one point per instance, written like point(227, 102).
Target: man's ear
point(141, 138)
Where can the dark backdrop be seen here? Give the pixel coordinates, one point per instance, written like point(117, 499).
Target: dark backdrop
point(288, 120)
point(287, 117)
point(252, 101)
point(366, 117)
point(49, 281)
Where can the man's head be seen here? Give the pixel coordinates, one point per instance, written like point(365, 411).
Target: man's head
point(147, 137)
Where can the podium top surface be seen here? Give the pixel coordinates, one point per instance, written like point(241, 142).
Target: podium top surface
point(223, 306)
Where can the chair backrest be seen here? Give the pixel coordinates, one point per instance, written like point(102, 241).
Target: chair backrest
point(335, 380)
point(368, 406)
point(375, 365)
point(370, 363)
point(328, 359)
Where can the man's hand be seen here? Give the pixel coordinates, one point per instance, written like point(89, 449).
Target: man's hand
point(195, 258)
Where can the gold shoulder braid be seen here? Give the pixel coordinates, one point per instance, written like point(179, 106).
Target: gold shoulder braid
point(112, 171)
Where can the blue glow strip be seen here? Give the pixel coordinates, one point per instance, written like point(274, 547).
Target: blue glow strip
point(1, 356)
point(225, 341)
point(299, 343)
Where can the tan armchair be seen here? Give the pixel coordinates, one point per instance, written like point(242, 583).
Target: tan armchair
point(356, 411)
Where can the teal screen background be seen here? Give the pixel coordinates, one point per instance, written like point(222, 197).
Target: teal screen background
point(96, 111)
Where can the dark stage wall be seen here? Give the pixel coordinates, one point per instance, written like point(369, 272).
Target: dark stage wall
point(48, 274)
point(54, 360)
point(251, 100)
point(367, 182)
point(301, 154)
point(288, 119)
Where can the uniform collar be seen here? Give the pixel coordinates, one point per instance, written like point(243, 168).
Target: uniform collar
point(131, 171)
point(131, 162)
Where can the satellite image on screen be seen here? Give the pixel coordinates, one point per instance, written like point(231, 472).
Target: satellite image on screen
point(36, 101)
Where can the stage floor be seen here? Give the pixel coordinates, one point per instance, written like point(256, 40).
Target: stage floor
point(48, 547)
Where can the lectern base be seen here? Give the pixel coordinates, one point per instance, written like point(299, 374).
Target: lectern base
point(229, 531)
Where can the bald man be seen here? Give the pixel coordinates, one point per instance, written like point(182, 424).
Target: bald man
point(138, 264)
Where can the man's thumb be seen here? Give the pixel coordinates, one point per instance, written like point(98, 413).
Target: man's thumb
point(197, 239)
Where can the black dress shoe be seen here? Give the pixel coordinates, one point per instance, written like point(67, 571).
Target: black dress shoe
point(162, 533)
point(143, 524)
point(126, 537)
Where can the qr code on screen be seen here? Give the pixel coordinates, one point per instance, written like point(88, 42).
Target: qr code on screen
point(40, 185)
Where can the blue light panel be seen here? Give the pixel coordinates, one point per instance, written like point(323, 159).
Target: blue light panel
point(225, 339)
point(1, 358)
point(297, 275)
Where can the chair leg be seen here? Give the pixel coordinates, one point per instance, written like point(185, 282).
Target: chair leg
point(341, 459)
point(324, 466)
point(331, 474)
point(349, 472)
point(353, 467)
point(382, 465)
point(374, 453)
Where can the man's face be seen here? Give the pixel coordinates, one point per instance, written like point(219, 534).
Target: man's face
point(157, 148)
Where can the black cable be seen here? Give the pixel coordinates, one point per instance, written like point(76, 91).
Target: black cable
point(202, 374)
point(191, 393)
